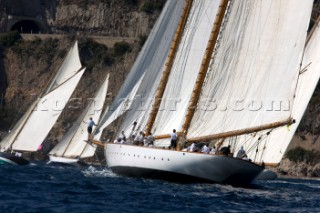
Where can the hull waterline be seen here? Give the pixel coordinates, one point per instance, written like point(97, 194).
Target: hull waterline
point(137, 161)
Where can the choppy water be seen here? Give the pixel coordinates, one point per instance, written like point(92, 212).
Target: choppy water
point(45, 188)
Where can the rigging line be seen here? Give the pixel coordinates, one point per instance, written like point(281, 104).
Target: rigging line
point(266, 140)
point(302, 57)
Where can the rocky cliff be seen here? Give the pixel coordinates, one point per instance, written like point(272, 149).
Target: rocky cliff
point(26, 66)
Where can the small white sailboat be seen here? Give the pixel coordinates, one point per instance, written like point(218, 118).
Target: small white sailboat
point(34, 126)
point(74, 146)
point(212, 80)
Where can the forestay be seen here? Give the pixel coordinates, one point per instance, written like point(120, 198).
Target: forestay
point(186, 66)
point(74, 144)
point(252, 77)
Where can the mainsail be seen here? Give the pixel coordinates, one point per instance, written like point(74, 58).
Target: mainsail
point(34, 126)
point(252, 79)
point(185, 66)
point(272, 149)
point(74, 144)
point(150, 62)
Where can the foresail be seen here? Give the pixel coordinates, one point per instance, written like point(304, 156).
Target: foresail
point(252, 77)
point(151, 61)
point(70, 66)
point(78, 145)
point(186, 66)
point(9, 139)
point(45, 115)
point(124, 106)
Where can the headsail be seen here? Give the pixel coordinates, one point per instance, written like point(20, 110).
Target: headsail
point(74, 144)
point(34, 126)
point(149, 64)
point(125, 105)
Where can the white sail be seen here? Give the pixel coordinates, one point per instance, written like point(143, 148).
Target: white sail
point(185, 68)
point(149, 63)
point(70, 66)
point(45, 115)
point(274, 146)
point(252, 77)
point(124, 106)
point(74, 144)
point(9, 139)
point(33, 126)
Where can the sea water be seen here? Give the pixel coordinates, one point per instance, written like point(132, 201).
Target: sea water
point(45, 188)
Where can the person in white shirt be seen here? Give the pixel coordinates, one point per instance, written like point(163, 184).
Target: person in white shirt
point(174, 138)
point(213, 150)
point(205, 149)
point(191, 148)
point(138, 139)
point(150, 139)
point(90, 124)
point(241, 153)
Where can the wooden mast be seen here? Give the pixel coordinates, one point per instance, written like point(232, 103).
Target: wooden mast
point(168, 66)
point(205, 64)
point(242, 131)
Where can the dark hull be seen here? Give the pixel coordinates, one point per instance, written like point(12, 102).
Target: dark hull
point(6, 158)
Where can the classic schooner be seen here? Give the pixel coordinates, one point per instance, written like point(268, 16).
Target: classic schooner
point(226, 58)
point(31, 130)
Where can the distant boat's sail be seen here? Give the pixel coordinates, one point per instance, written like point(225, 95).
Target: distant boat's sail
point(251, 79)
point(70, 66)
point(185, 67)
point(34, 126)
point(74, 144)
point(9, 139)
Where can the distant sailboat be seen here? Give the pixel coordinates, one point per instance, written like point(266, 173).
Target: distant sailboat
point(212, 81)
point(74, 146)
point(34, 126)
